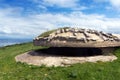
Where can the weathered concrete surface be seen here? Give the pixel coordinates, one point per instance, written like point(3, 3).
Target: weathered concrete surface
point(39, 59)
point(72, 37)
point(76, 44)
point(107, 50)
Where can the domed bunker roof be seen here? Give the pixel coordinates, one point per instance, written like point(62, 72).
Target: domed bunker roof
point(77, 37)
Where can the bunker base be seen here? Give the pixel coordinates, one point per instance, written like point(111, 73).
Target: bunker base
point(49, 57)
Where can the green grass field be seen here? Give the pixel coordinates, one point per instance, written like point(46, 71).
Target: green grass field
point(10, 70)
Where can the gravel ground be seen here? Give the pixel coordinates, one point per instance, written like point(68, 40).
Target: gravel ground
point(38, 59)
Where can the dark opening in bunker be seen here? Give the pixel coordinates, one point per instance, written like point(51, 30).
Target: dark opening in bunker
point(71, 51)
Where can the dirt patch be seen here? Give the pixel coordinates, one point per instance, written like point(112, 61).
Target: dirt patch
point(38, 59)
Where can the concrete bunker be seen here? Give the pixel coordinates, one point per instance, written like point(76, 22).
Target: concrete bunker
point(84, 42)
point(71, 45)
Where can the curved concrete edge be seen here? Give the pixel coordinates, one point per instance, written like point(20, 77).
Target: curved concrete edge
point(76, 44)
point(59, 61)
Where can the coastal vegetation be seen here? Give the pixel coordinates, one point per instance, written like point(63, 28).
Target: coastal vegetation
point(12, 70)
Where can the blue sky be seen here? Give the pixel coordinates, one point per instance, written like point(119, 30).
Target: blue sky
point(29, 18)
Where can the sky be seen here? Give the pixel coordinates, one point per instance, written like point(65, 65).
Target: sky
point(29, 18)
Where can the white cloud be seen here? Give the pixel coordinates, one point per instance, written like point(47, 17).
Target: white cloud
point(26, 26)
point(115, 3)
point(71, 4)
point(61, 3)
point(35, 24)
point(42, 7)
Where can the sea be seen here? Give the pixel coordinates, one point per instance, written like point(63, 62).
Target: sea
point(12, 41)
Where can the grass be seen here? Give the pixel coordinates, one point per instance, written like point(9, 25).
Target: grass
point(10, 70)
point(46, 34)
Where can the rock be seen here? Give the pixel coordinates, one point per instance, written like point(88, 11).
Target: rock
point(75, 34)
point(86, 34)
point(62, 31)
point(91, 39)
point(67, 30)
point(81, 30)
point(76, 30)
point(58, 32)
